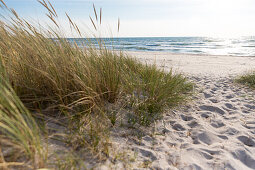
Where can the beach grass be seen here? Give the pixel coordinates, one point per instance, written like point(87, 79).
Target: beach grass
point(19, 133)
point(247, 79)
point(41, 71)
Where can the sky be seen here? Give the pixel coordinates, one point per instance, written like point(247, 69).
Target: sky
point(150, 18)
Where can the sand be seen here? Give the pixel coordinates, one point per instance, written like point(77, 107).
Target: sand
point(199, 65)
point(216, 130)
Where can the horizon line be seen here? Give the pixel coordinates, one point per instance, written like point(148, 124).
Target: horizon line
point(168, 37)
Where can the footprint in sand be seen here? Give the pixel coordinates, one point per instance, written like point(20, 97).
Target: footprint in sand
point(186, 118)
point(205, 114)
point(230, 106)
point(230, 131)
point(247, 141)
point(211, 152)
point(147, 154)
point(230, 96)
point(248, 127)
point(244, 157)
point(252, 107)
point(178, 127)
point(212, 109)
point(214, 89)
point(223, 137)
point(217, 123)
point(206, 155)
point(207, 95)
point(205, 137)
point(193, 124)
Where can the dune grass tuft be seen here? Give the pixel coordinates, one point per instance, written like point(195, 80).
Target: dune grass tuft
point(41, 70)
point(248, 79)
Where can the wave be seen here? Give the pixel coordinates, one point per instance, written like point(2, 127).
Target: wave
point(141, 48)
point(129, 47)
point(180, 44)
point(153, 45)
point(127, 44)
point(248, 46)
point(195, 45)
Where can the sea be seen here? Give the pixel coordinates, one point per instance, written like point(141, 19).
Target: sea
point(241, 46)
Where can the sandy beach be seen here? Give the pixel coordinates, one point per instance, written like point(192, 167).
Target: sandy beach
point(215, 130)
point(199, 65)
point(127, 85)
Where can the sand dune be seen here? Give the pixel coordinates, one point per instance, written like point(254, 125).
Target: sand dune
point(216, 130)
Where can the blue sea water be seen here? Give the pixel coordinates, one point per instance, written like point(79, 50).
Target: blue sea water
point(243, 46)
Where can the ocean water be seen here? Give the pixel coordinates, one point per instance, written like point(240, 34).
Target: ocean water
point(243, 46)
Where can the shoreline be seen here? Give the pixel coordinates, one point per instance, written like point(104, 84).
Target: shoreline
point(189, 54)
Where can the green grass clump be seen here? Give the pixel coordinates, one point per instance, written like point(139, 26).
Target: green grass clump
point(248, 79)
point(75, 84)
point(157, 90)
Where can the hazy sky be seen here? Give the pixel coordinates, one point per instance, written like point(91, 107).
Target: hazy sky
point(154, 17)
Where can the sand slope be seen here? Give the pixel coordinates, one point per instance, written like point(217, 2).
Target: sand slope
point(216, 130)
